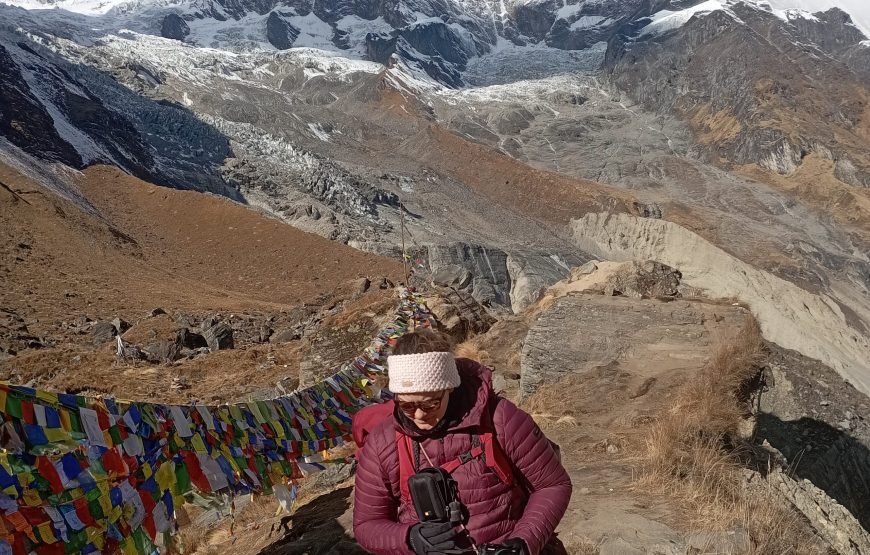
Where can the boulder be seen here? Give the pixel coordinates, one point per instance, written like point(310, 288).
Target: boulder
point(219, 336)
point(284, 336)
point(451, 275)
point(190, 339)
point(333, 476)
point(490, 284)
point(120, 325)
point(647, 280)
point(103, 332)
point(585, 269)
point(162, 351)
point(497, 279)
point(531, 274)
point(174, 27)
point(362, 285)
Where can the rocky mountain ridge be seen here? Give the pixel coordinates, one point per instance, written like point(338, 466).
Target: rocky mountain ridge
point(352, 149)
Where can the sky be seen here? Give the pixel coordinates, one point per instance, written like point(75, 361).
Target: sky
point(858, 9)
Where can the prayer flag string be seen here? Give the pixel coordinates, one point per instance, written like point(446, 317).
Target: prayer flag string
point(103, 475)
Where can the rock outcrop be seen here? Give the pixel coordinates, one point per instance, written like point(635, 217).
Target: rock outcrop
point(279, 32)
point(174, 27)
point(496, 278)
point(644, 280)
point(218, 336)
point(813, 325)
point(830, 520)
point(819, 426)
point(580, 333)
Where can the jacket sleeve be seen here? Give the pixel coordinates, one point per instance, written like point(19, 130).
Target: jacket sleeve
point(375, 512)
point(534, 457)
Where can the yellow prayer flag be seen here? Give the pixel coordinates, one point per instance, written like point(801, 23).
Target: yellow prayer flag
point(55, 435)
point(198, 445)
point(229, 456)
point(255, 410)
point(104, 500)
point(165, 476)
point(65, 421)
point(146, 470)
point(96, 536)
point(128, 546)
point(115, 514)
point(46, 532)
point(47, 396)
point(31, 498)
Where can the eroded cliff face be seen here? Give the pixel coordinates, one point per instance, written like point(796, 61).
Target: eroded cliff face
point(813, 324)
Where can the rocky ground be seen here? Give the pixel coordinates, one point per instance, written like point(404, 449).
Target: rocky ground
point(601, 402)
point(176, 274)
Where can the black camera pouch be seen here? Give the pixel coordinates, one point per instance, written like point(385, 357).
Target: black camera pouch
point(433, 491)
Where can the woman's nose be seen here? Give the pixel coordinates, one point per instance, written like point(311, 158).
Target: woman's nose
point(419, 414)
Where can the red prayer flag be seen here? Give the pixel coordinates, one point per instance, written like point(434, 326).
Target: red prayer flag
point(84, 512)
point(150, 527)
point(113, 462)
point(195, 472)
point(49, 472)
point(27, 412)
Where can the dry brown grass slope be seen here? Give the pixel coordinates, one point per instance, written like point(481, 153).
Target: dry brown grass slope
point(690, 454)
point(158, 247)
point(150, 246)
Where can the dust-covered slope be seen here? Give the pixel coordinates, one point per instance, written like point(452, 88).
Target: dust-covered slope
point(149, 247)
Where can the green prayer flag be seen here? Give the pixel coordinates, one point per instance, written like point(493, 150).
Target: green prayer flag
point(143, 543)
point(95, 507)
point(77, 541)
point(13, 406)
point(76, 422)
point(116, 435)
point(182, 479)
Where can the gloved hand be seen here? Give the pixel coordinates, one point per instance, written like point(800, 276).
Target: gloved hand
point(428, 538)
point(517, 544)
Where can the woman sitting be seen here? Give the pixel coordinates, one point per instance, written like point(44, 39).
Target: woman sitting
point(510, 480)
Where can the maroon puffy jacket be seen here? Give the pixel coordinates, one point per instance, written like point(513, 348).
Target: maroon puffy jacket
point(530, 509)
point(368, 419)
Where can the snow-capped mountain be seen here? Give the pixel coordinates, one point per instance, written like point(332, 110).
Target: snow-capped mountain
point(494, 123)
point(439, 37)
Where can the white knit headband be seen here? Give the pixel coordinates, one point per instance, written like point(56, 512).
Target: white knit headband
point(422, 372)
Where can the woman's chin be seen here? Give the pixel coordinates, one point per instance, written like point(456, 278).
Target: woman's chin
point(424, 425)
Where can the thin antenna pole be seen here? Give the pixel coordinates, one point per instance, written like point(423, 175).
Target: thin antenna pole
point(404, 256)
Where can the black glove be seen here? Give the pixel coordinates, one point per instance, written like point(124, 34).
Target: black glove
point(517, 544)
point(429, 538)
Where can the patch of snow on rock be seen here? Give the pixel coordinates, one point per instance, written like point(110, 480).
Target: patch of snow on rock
point(508, 62)
point(357, 28)
point(319, 132)
point(667, 20)
point(313, 31)
point(569, 10)
point(589, 21)
point(859, 10)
